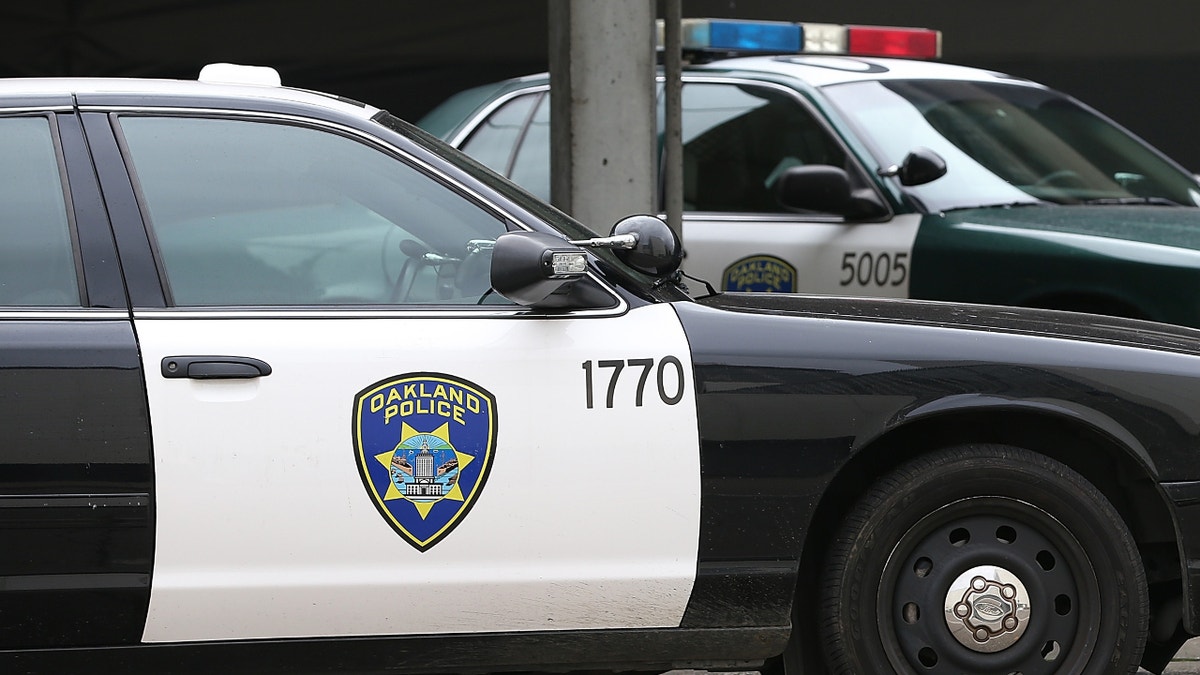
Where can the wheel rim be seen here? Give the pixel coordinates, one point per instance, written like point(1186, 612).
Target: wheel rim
point(988, 585)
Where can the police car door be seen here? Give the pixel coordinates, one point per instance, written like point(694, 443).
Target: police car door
point(353, 436)
point(738, 139)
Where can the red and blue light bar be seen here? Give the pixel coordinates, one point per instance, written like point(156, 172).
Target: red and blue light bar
point(782, 37)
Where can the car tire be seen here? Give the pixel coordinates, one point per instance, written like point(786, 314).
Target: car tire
point(983, 559)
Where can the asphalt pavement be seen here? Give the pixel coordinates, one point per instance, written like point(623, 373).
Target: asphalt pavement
point(1187, 662)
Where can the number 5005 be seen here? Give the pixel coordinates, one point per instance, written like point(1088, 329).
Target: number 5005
point(874, 269)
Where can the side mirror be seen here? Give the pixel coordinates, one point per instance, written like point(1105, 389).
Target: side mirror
point(656, 250)
point(541, 270)
point(816, 187)
point(919, 167)
point(819, 187)
point(536, 269)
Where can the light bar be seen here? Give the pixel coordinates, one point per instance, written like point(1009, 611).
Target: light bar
point(731, 36)
point(884, 41)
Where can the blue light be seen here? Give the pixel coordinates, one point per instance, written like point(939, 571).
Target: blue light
point(754, 36)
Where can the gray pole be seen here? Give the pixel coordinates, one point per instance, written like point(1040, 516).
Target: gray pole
point(602, 127)
point(673, 124)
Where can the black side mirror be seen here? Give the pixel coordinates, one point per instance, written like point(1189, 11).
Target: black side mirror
point(819, 187)
point(536, 269)
point(541, 270)
point(816, 187)
point(919, 167)
point(544, 271)
point(656, 250)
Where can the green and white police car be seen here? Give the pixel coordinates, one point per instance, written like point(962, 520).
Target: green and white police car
point(847, 161)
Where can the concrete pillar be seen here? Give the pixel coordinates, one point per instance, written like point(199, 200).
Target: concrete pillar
point(602, 109)
point(672, 162)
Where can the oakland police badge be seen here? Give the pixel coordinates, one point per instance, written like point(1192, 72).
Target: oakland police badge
point(760, 274)
point(424, 444)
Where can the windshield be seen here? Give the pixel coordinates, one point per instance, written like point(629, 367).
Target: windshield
point(1009, 144)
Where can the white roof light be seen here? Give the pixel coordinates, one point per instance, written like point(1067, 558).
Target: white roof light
point(232, 73)
point(825, 38)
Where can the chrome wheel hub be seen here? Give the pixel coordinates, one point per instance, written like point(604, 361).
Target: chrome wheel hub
point(987, 609)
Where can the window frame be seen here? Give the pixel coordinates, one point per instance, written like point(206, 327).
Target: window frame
point(51, 115)
point(859, 176)
point(152, 233)
point(379, 143)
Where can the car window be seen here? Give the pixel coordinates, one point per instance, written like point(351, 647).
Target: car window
point(738, 140)
point(263, 213)
point(37, 261)
point(1008, 144)
point(493, 140)
point(514, 141)
point(531, 165)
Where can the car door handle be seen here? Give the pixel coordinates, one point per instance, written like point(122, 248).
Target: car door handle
point(214, 367)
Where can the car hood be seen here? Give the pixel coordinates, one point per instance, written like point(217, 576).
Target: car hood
point(989, 318)
point(1173, 226)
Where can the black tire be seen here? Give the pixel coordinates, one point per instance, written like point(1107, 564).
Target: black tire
point(985, 515)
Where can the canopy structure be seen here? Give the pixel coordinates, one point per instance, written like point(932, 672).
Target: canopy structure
point(404, 56)
point(1136, 64)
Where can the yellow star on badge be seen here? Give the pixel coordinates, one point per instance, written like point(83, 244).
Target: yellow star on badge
point(407, 432)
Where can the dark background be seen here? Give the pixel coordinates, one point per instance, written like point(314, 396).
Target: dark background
point(1137, 62)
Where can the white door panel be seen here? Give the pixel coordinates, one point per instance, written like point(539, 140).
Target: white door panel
point(783, 255)
point(589, 517)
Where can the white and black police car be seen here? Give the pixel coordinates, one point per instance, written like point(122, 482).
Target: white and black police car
point(849, 162)
point(290, 386)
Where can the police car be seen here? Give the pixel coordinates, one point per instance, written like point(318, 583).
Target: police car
point(833, 166)
point(290, 386)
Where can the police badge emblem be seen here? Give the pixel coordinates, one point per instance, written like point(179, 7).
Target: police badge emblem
point(760, 274)
point(424, 444)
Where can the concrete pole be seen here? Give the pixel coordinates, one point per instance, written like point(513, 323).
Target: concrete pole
point(602, 108)
point(673, 115)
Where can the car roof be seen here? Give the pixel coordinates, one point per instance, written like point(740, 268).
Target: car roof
point(817, 70)
point(176, 92)
point(452, 116)
point(820, 70)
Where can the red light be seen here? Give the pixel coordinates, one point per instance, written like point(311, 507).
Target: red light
point(913, 43)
